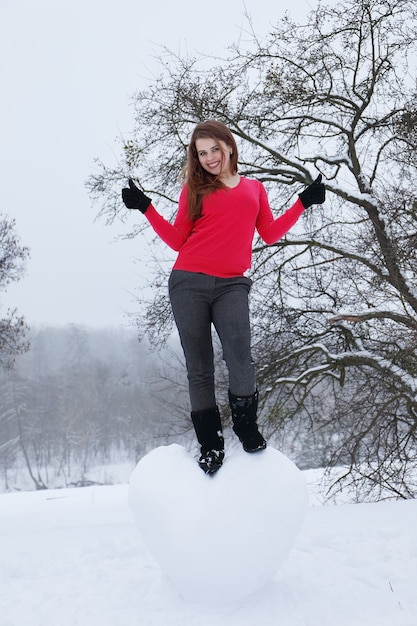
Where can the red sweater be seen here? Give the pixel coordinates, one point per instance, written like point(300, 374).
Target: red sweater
point(219, 243)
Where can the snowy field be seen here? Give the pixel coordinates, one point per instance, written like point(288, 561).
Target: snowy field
point(74, 557)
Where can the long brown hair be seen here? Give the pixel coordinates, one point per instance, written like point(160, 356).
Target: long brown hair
point(200, 182)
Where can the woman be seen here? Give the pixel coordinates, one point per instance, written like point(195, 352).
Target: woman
point(213, 232)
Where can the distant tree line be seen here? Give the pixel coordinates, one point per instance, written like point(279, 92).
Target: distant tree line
point(80, 398)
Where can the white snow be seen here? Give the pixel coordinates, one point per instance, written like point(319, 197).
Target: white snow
point(218, 538)
point(75, 557)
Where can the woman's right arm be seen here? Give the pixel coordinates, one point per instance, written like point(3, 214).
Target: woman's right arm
point(176, 234)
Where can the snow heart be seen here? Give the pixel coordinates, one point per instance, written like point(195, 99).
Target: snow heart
point(218, 538)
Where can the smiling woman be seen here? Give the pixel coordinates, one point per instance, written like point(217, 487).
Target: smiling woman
point(214, 158)
point(211, 163)
point(218, 213)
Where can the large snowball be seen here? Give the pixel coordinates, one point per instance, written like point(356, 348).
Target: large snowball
point(218, 538)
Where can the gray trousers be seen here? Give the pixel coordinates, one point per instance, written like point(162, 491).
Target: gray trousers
point(199, 301)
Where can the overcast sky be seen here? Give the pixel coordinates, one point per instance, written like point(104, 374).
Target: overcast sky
point(68, 71)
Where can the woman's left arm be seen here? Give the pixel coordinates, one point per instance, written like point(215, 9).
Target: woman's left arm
point(271, 229)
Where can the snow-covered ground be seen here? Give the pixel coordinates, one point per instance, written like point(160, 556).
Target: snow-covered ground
point(74, 557)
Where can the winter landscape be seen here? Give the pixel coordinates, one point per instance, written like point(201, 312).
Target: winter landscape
point(74, 557)
point(105, 516)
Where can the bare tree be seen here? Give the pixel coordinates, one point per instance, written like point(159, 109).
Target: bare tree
point(335, 301)
point(12, 326)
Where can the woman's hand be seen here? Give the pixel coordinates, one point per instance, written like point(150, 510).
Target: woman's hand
point(134, 198)
point(314, 193)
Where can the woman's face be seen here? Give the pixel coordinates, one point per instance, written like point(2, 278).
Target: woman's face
point(214, 155)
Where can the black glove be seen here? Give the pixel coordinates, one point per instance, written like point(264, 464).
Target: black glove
point(314, 193)
point(134, 198)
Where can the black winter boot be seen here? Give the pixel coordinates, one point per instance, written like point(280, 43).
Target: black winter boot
point(208, 428)
point(244, 416)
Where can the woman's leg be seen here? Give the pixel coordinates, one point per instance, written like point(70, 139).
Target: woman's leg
point(231, 318)
point(190, 295)
point(230, 314)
